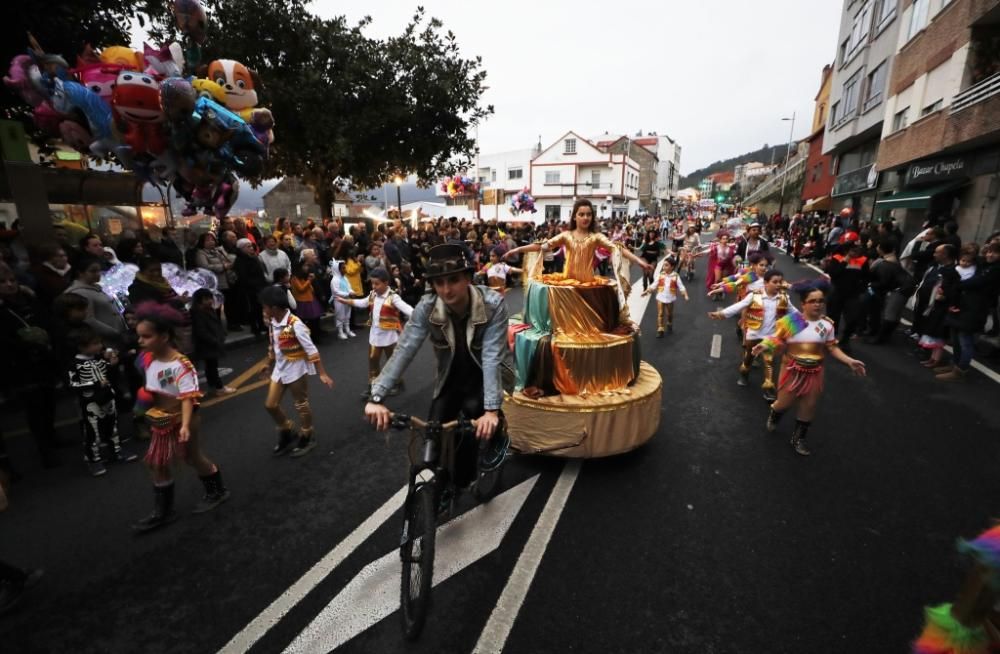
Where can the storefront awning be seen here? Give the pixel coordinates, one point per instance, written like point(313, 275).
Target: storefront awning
point(916, 199)
point(821, 203)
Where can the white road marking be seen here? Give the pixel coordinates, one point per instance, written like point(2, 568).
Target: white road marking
point(280, 607)
point(497, 629)
point(374, 593)
point(716, 350)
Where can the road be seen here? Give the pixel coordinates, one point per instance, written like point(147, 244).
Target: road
point(714, 537)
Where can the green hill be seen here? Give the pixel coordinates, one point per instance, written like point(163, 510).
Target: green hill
point(763, 155)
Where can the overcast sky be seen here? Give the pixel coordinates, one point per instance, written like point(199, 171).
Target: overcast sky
point(716, 75)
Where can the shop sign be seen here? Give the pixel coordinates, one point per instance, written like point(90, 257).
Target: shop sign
point(938, 170)
point(856, 181)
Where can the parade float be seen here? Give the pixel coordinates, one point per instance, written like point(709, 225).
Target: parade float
point(582, 389)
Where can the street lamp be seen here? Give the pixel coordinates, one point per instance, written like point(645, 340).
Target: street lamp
point(399, 197)
point(784, 172)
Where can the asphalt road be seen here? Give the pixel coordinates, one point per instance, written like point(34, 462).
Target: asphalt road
point(714, 537)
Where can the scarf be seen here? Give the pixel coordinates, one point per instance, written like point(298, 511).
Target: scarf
point(62, 272)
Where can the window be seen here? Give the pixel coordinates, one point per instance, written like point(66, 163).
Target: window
point(553, 211)
point(843, 51)
point(931, 108)
point(875, 86)
point(834, 113)
point(551, 176)
point(918, 17)
point(886, 12)
point(515, 173)
point(595, 178)
point(859, 30)
point(569, 146)
point(493, 174)
point(899, 121)
point(849, 98)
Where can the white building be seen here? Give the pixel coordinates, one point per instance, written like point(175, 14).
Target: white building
point(573, 168)
point(668, 166)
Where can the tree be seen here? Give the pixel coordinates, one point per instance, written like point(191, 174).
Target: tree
point(350, 110)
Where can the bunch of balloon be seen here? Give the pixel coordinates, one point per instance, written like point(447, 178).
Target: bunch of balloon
point(148, 112)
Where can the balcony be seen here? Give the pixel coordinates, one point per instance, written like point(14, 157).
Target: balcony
point(976, 93)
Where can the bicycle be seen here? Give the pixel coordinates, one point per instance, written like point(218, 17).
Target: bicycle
point(432, 493)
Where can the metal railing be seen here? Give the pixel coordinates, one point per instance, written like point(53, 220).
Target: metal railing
point(976, 93)
point(773, 183)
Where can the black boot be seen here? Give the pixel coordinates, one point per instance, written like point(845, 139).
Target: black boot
point(163, 509)
point(215, 492)
point(285, 439)
point(799, 437)
point(773, 419)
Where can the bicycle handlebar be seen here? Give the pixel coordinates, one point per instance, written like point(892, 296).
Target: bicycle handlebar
point(402, 421)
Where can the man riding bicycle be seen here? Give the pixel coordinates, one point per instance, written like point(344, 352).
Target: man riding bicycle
point(467, 325)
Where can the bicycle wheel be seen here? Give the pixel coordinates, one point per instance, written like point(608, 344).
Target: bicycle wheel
point(490, 472)
point(417, 554)
point(487, 484)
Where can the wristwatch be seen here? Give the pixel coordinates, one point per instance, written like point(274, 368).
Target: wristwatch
point(375, 399)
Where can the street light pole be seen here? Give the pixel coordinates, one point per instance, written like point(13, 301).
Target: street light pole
point(399, 197)
point(784, 172)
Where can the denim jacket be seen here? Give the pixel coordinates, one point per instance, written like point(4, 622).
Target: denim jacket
point(486, 336)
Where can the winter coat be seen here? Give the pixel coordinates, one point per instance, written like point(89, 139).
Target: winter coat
point(975, 297)
point(102, 314)
point(208, 333)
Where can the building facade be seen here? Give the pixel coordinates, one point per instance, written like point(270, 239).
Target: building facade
point(294, 199)
point(941, 135)
point(573, 167)
point(868, 40)
point(819, 176)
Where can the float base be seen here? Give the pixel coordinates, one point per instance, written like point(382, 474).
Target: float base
point(590, 426)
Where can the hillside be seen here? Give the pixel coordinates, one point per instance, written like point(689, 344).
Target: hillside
point(763, 155)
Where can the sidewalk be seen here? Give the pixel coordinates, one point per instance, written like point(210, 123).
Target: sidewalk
point(12, 420)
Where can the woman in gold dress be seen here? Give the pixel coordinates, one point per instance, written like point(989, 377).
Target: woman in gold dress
point(580, 242)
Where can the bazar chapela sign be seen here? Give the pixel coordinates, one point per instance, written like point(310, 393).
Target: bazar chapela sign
point(857, 181)
point(939, 170)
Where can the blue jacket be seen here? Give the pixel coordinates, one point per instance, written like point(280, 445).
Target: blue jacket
point(486, 336)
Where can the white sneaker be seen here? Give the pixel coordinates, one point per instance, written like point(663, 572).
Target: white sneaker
point(341, 335)
point(351, 334)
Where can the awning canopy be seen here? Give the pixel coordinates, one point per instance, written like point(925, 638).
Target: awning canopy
point(917, 199)
point(822, 203)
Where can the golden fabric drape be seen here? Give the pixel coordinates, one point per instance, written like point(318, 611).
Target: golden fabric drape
point(592, 367)
point(579, 266)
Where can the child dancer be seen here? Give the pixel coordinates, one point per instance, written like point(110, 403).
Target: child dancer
point(292, 357)
point(667, 288)
point(806, 338)
point(760, 311)
point(90, 378)
point(385, 306)
point(340, 286)
point(497, 271)
point(172, 381)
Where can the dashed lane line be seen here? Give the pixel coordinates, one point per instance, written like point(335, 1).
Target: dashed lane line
point(716, 351)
